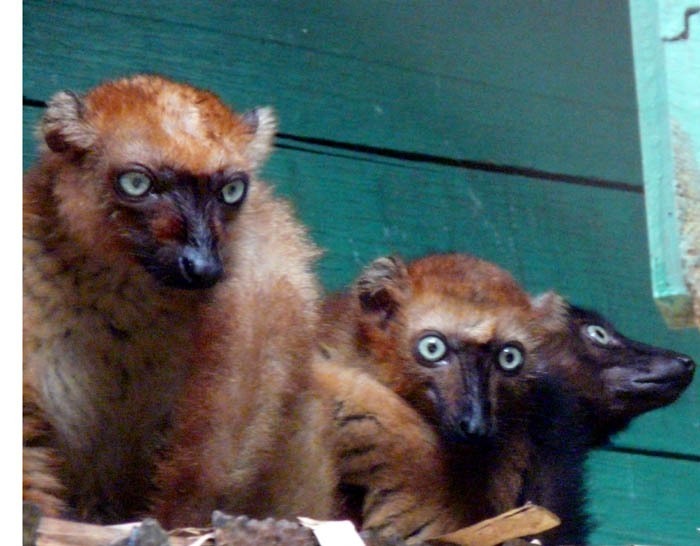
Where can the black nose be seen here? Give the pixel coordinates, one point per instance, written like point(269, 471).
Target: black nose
point(473, 426)
point(686, 361)
point(200, 268)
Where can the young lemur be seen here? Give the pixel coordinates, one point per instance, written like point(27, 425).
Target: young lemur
point(502, 377)
point(169, 314)
point(443, 334)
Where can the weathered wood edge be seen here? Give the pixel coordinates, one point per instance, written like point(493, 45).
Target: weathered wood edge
point(670, 291)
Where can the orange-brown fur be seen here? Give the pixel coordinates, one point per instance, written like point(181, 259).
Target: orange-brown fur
point(373, 328)
point(114, 357)
point(41, 464)
point(389, 459)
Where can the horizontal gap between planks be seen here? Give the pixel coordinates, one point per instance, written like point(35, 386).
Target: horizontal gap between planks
point(325, 152)
point(33, 103)
point(652, 453)
point(418, 157)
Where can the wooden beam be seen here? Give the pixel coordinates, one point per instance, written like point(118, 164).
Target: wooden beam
point(666, 45)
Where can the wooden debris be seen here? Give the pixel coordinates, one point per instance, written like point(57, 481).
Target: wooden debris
point(243, 531)
point(149, 533)
point(58, 532)
point(31, 516)
point(526, 520)
point(333, 533)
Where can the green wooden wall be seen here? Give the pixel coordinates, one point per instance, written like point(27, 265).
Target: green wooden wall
point(504, 128)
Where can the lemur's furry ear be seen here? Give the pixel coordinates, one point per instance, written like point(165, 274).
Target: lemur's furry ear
point(551, 309)
point(382, 286)
point(63, 126)
point(263, 124)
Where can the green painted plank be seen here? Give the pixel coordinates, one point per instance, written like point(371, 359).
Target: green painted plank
point(491, 81)
point(644, 500)
point(587, 243)
point(668, 77)
point(409, 35)
point(30, 120)
point(682, 57)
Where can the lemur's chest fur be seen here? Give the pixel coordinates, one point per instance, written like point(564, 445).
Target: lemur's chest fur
point(108, 351)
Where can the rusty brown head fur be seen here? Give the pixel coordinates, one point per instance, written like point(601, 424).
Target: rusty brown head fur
point(449, 332)
point(163, 167)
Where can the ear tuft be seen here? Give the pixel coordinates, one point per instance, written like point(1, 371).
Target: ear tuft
point(263, 124)
point(552, 310)
point(63, 126)
point(381, 285)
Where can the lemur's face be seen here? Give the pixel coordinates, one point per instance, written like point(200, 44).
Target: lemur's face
point(634, 377)
point(176, 221)
point(470, 365)
point(453, 335)
point(159, 172)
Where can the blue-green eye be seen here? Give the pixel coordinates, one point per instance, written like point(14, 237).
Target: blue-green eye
point(134, 183)
point(598, 334)
point(234, 191)
point(510, 358)
point(431, 348)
